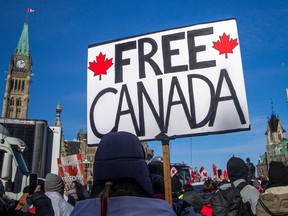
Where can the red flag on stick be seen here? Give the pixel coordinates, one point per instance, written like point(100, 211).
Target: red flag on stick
point(225, 174)
point(214, 168)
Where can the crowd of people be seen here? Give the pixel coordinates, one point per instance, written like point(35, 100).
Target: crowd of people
point(124, 184)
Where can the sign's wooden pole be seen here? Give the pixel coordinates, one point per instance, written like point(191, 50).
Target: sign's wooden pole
point(166, 167)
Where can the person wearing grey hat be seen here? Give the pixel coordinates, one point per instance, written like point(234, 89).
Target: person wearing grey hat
point(122, 182)
point(54, 183)
point(54, 187)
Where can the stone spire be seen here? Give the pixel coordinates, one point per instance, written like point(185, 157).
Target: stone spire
point(81, 136)
point(64, 144)
point(58, 114)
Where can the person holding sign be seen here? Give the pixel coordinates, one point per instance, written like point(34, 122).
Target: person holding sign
point(122, 183)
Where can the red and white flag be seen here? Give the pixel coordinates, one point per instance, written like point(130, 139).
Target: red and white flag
point(30, 10)
point(173, 171)
point(71, 169)
point(214, 168)
point(203, 172)
point(193, 176)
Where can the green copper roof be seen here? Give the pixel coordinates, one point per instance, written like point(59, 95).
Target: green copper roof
point(23, 44)
point(281, 148)
point(262, 160)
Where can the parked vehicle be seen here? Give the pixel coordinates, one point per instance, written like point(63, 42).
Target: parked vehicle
point(197, 186)
point(18, 158)
point(183, 174)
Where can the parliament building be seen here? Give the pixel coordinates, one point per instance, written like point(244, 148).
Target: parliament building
point(276, 146)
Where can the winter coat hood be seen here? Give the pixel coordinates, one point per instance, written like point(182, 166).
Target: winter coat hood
point(277, 204)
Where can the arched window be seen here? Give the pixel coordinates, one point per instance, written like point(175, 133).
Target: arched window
point(12, 84)
point(18, 111)
point(11, 111)
point(18, 102)
point(16, 85)
point(23, 84)
point(19, 85)
point(11, 103)
point(279, 135)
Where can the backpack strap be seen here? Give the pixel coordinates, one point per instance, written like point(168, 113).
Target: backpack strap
point(240, 186)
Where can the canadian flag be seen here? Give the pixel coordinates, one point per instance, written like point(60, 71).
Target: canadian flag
point(173, 171)
point(30, 10)
point(193, 176)
point(203, 172)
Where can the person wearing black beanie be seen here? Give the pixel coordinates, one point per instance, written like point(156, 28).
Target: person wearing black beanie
point(237, 169)
point(238, 173)
point(278, 175)
point(274, 201)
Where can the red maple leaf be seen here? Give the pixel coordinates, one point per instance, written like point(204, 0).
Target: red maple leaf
point(71, 170)
point(101, 65)
point(225, 45)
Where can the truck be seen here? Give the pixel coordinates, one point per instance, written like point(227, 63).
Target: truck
point(14, 171)
point(184, 172)
point(27, 147)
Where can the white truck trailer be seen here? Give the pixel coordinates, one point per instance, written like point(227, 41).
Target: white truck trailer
point(27, 146)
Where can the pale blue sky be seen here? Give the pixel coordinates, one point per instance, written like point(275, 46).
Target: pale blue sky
point(60, 32)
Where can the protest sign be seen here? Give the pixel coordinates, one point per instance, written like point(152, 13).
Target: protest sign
point(181, 82)
point(71, 169)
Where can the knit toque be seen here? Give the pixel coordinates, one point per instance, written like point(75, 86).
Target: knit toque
point(237, 169)
point(121, 155)
point(54, 183)
point(278, 175)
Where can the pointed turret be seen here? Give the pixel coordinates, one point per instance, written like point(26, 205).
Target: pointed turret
point(275, 133)
point(23, 44)
point(81, 136)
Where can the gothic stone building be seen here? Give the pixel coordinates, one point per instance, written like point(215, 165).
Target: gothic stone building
point(276, 146)
point(17, 91)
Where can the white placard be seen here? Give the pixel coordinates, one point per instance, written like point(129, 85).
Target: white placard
point(182, 82)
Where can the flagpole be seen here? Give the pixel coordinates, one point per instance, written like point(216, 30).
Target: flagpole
point(166, 166)
point(27, 12)
point(285, 79)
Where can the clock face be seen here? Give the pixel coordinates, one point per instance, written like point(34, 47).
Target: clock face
point(20, 63)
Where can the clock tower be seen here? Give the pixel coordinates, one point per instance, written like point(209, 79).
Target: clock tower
point(17, 91)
